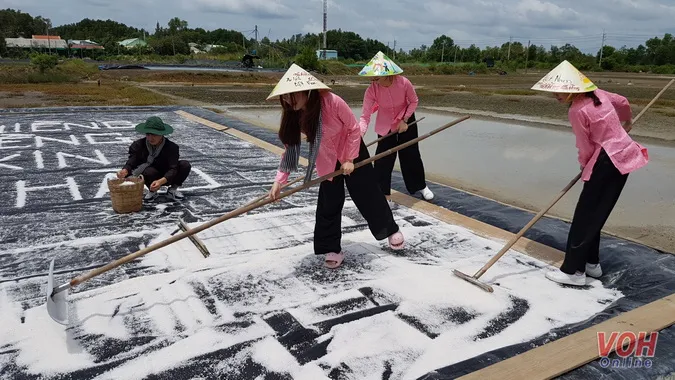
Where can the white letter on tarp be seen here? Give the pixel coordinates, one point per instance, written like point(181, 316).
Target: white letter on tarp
point(8, 166)
point(39, 161)
point(121, 124)
point(7, 140)
point(103, 189)
point(117, 140)
point(36, 126)
point(211, 183)
point(22, 190)
point(67, 126)
point(39, 143)
point(101, 158)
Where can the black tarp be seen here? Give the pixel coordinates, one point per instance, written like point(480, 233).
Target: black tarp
point(641, 273)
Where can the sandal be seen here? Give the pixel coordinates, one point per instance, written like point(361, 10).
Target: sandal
point(334, 260)
point(396, 241)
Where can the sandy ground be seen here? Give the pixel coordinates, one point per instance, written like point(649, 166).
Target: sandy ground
point(493, 96)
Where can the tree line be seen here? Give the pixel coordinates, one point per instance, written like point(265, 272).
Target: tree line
point(656, 54)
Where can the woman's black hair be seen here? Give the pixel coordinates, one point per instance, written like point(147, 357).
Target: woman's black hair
point(306, 121)
point(596, 100)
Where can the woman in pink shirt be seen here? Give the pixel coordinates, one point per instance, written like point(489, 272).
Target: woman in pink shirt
point(328, 122)
point(607, 154)
point(394, 99)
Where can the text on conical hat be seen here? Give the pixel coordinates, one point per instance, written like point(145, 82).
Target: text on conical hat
point(300, 79)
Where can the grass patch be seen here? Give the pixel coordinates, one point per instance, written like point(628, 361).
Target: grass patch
point(69, 71)
point(89, 94)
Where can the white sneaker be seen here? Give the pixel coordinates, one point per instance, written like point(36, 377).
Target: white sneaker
point(577, 279)
point(174, 193)
point(150, 195)
point(427, 194)
point(593, 270)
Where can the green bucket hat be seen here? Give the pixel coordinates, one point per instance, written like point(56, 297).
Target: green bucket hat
point(155, 126)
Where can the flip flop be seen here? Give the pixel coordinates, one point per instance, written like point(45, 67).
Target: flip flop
point(334, 260)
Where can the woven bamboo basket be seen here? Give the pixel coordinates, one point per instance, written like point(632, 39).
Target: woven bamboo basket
point(126, 194)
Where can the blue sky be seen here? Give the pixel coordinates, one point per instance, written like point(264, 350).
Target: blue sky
point(410, 23)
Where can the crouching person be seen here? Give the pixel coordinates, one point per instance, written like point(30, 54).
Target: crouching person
point(157, 159)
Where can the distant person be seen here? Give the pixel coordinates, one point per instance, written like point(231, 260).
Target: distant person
point(157, 159)
point(600, 121)
point(335, 144)
point(394, 99)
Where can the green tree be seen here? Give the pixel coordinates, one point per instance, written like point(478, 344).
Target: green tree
point(3, 45)
point(440, 50)
point(307, 59)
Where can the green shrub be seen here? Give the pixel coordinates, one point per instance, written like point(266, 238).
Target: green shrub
point(44, 62)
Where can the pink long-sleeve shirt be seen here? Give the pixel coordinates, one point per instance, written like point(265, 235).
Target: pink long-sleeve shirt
point(390, 104)
point(340, 140)
point(599, 128)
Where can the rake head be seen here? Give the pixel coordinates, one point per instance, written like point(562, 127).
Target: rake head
point(473, 280)
point(57, 304)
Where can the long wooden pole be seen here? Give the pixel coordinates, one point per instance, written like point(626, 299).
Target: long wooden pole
point(555, 200)
point(240, 211)
point(302, 177)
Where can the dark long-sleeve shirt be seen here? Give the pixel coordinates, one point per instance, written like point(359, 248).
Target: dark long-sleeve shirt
point(166, 163)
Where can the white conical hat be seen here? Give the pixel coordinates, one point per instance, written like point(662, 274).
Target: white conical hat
point(565, 78)
point(296, 79)
point(380, 66)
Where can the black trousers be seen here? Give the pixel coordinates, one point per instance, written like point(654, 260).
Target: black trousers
point(598, 197)
point(367, 197)
point(410, 159)
point(151, 174)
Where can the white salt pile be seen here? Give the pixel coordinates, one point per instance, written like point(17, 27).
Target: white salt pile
point(263, 265)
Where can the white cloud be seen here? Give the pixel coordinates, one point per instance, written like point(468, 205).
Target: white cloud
point(312, 27)
point(259, 8)
point(397, 24)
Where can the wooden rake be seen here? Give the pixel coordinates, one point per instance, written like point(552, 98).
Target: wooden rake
point(57, 305)
point(474, 279)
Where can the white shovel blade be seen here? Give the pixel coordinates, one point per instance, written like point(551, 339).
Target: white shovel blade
point(57, 307)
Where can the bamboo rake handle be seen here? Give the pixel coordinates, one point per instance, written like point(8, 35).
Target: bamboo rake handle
point(247, 208)
point(557, 198)
point(260, 198)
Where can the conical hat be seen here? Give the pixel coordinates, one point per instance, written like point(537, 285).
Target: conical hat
point(565, 78)
point(296, 79)
point(380, 66)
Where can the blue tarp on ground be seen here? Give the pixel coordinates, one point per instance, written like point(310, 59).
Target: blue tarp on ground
point(641, 273)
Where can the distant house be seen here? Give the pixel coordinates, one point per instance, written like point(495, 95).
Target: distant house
point(329, 54)
point(84, 45)
point(133, 42)
point(206, 48)
point(38, 42)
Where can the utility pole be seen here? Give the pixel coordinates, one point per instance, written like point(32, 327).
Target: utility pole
point(256, 34)
point(49, 40)
point(394, 49)
point(527, 55)
point(508, 55)
point(325, 26)
point(443, 51)
point(602, 47)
